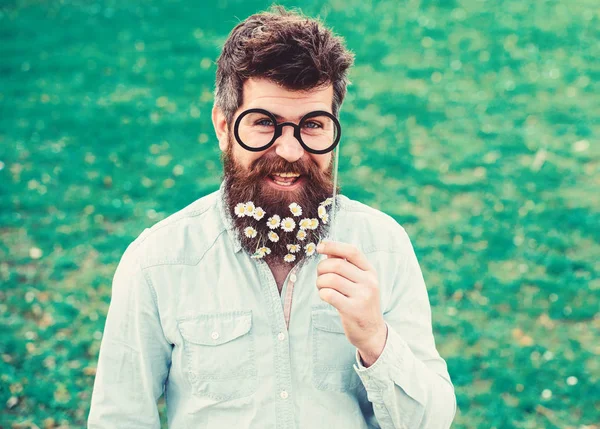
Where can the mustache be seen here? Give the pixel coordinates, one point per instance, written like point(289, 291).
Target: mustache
point(263, 167)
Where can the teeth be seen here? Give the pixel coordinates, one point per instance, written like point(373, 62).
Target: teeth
point(286, 174)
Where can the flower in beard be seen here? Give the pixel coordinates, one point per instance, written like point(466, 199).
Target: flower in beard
point(240, 210)
point(250, 232)
point(258, 255)
point(289, 258)
point(314, 223)
point(261, 252)
point(327, 202)
point(325, 218)
point(293, 248)
point(321, 211)
point(259, 213)
point(288, 224)
point(249, 211)
point(273, 236)
point(273, 221)
point(310, 249)
point(301, 235)
point(295, 209)
point(305, 224)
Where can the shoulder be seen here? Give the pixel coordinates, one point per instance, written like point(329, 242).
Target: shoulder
point(371, 229)
point(182, 237)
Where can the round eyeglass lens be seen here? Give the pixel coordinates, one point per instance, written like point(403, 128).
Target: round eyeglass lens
point(319, 132)
point(256, 129)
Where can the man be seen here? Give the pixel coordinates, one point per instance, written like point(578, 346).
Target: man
point(227, 307)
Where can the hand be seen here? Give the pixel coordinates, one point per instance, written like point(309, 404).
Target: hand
point(348, 281)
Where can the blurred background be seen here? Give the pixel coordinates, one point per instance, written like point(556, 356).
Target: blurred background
point(473, 123)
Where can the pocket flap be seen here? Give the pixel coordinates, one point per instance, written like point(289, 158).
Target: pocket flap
point(215, 329)
point(327, 320)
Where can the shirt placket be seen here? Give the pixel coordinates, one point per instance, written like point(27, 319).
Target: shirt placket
point(289, 293)
point(282, 369)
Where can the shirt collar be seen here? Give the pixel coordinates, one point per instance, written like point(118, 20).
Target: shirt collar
point(226, 218)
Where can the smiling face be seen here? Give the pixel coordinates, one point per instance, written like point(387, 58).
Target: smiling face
point(286, 104)
point(281, 175)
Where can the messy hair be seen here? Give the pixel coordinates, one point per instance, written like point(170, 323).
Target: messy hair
point(287, 48)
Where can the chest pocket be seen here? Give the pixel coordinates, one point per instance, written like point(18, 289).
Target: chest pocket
point(219, 354)
point(333, 354)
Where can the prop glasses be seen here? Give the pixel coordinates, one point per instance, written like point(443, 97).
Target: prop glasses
point(318, 132)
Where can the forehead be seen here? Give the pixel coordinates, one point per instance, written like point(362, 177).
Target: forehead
point(265, 94)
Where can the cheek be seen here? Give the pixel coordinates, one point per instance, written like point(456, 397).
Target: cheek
point(323, 161)
point(245, 158)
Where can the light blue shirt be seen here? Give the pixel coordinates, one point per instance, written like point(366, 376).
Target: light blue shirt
point(193, 316)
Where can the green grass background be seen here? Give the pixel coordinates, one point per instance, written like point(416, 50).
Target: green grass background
point(474, 123)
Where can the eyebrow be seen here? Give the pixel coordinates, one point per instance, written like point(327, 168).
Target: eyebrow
point(297, 118)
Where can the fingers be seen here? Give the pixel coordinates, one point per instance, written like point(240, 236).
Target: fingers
point(341, 267)
point(337, 283)
point(345, 251)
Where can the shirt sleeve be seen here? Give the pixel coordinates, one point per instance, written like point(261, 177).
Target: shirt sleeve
point(409, 385)
point(134, 357)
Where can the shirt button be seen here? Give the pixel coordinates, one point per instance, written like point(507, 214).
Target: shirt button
point(283, 394)
point(281, 336)
point(293, 278)
point(214, 335)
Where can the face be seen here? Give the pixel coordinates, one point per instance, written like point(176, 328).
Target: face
point(291, 105)
point(257, 176)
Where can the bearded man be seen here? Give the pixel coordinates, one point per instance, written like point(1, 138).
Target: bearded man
point(229, 307)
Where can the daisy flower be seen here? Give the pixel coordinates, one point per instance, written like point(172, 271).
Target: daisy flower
point(293, 248)
point(327, 202)
point(288, 224)
point(265, 250)
point(273, 236)
point(289, 258)
point(305, 223)
point(240, 210)
point(295, 209)
point(261, 252)
point(325, 218)
point(273, 221)
point(310, 249)
point(250, 208)
point(259, 213)
point(301, 235)
point(321, 211)
point(314, 223)
point(250, 232)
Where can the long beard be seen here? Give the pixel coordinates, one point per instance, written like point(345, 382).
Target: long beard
point(250, 185)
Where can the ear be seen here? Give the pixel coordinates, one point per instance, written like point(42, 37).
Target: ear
point(220, 124)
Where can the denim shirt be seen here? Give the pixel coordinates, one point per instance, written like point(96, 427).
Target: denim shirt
point(194, 317)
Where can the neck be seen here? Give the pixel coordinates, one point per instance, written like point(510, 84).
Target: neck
point(280, 272)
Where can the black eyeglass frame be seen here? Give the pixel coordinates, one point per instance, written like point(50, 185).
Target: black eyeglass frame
point(279, 130)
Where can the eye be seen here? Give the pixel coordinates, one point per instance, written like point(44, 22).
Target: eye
point(313, 124)
point(264, 122)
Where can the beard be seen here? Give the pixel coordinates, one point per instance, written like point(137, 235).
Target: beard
point(243, 185)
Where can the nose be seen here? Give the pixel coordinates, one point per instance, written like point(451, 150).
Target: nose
point(287, 146)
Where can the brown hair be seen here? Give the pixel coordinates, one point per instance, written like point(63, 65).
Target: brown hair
point(286, 47)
